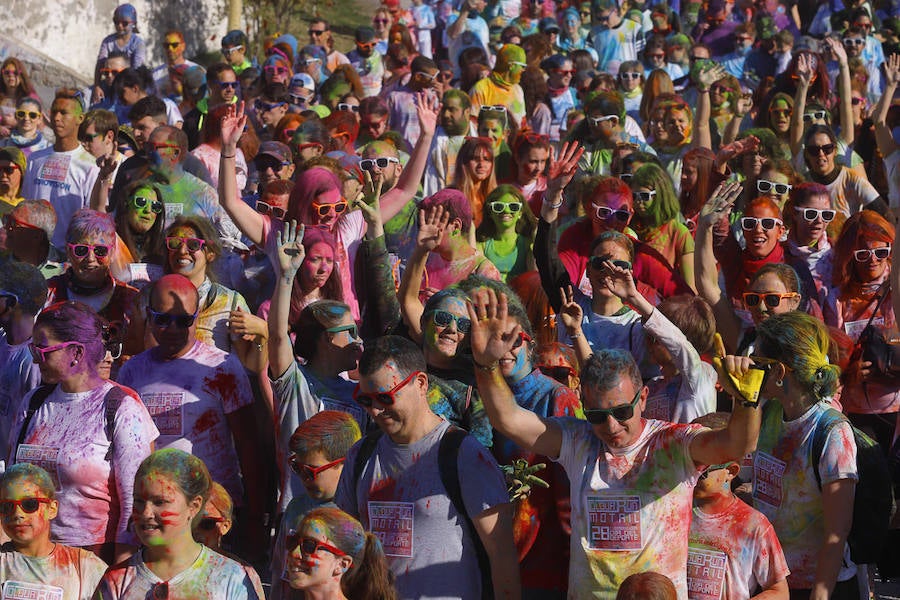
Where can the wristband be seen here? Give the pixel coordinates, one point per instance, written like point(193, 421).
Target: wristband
point(554, 205)
point(487, 368)
point(228, 156)
point(574, 336)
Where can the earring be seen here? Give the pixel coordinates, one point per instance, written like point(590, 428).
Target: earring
point(779, 383)
point(74, 362)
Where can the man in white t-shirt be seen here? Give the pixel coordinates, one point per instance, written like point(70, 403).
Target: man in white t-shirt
point(64, 174)
point(631, 478)
point(199, 396)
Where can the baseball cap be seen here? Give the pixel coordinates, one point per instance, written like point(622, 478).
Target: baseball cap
point(235, 37)
point(15, 156)
point(548, 25)
point(364, 34)
point(303, 80)
point(194, 77)
point(276, 150)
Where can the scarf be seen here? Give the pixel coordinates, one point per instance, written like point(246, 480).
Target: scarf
point(736, 281)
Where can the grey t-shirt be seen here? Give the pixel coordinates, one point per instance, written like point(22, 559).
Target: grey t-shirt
point(400, 498)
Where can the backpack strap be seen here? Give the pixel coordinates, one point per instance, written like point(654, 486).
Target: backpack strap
point(366, 449)
point(448, 466)
point(34, 403)
point(828, 421)
point(111, 403)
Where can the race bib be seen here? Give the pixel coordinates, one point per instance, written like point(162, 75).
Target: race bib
point(855, 328)
point(166, 409)
point(614, 522)
point(392, 523)
point(173, 209)
point(44, 457)
point(706, 573)
point(55, 168)
point(21, 590)
point(768, 473)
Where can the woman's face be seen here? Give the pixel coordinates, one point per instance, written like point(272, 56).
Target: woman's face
point(611, 251)
point(643, 200)
point(717, 93)
point(481, 165)
point(276, 72)
point(57, 365)
point(808, 233)
point(28, 117)
point(318, 569)
point(90, 269)
point(509, 215)
point(689, 176)
point(327, 208)
point(570, 26)
point(211, 527)
point(770, 284)
point(629, 80)
point(317, 266)
point(870, 268)
point(658, 125)
point(752, 163)
point(161, 513)
point(780, 117)
point(10, 75)
point(606, 211)
point(26, 529)
point(190, 264)
point(561, 77)
point(532, 165)
point(446, 341)
point(820, 153)
point(141, 215)
point(677, 126)
point(343, 346)
point(761, 241)
point(493, 130)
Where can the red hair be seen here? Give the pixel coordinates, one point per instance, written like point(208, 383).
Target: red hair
point(864, 226)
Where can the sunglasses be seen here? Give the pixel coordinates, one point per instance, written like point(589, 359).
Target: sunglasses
point(426, 76)
point(13, 223)
point(351, 330)
point(11, 72)
point(114, 349)
point(605, 212)
point(854, 42)
point(382, 162)
point(316, 31)
point(367, 399)
point(781, 112)
point(599, 262)
point(21, 114)
point(564, 71)
point(506, 207)
point(29, 505)
point(560, 373)
point(772, 299)
point(273, 70)
point(140, 202)
point(326, 208)
point(643, 197)
point(233, 85)
point(109, 73)
point(209, 523)
point(161, 319)
point(81, 250)
point(812, 214)
point(348, 107)
point(232, 49)
point(157, 147)
point(629, 75)
point(768, 223)
point(523, 337)
point(87, 138)
point(309, 546)
point(39, 355)
point(172, 45)
point(442, 318)
point(298, 100)
point(9, 169)
point(308, 473)
point(863, 25)
point(264, 208)
point(263, 106)
point(815, 115)
point(193, 244)
point(492, 108)
point(598, 416)
point(595, 121)
point(856, 101)
point(710, 469)
point(764, 186)
point(827, 149)
point(866, 254)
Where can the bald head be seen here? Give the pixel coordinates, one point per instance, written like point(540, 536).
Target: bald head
point(174, 293)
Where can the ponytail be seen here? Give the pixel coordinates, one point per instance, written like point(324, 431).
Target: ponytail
point(369, 577)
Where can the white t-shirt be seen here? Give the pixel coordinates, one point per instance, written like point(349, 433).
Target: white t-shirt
point(64, 574)
point(65, 179)
point(631, 507)
point(189, 399)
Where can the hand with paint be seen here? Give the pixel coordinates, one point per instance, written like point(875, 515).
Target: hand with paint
point(718, 207)
point(107, 166)
point(562, 169)
point(232, 125)
point(521, 478)
point(618, 278)
point(432, 226)
point(570, 313)
point(290, 249)
point(427, 109)
point(370, 205)
point(248, 326)
point(494, 330)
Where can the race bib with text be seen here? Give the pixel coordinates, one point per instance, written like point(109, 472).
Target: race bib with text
point(706, 573)
point(392, 523)
point(614, 522)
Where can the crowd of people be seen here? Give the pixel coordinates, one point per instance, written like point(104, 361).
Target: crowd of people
point(532, 299)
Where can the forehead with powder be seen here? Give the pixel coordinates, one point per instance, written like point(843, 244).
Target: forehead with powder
point(177, 287)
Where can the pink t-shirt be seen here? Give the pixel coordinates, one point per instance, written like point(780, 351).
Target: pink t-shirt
point(67, 437)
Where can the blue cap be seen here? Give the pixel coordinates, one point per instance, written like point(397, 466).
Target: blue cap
point(126, 12)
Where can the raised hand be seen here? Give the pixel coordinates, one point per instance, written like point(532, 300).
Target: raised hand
point(432, 224)
point(107, 166)
point(370, 204)
point(247, 325)
point(744, 104)
point(892, 70)
point(290, 249)
point(711, 74)
point(521, 478)
point(742, 146)
point(719, 204)
point(563, 166)
point(570, 312)
point(837, 48)
point(618, 280)
point(494, 331)
point(427, 109)
point(233, 125)
point(804, 69)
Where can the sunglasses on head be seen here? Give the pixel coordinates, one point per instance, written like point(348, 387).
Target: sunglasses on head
point(82, 250)
point(764, 186)
point(208, 523)
point(161, 319)
point(812, 214)
point(825, 149)
point(29, 505)
point(866, 254)
point(622, 413)
point(382, 162)
point(309, 546)
point(605, 213)
point(193, 244)
point(768, 223)
point(21, 114)
point(595, 121)
point(367, 399)
point(599, 262)
point(39, 354)
point(443, 318)
point(264, 208)
point(308, 473)
point(560, 373)
point(326, 208)
point(772, 299)
point(140, 202)
point(348, 107)
point(506, 207)
point(643, 197)
point(815, 115)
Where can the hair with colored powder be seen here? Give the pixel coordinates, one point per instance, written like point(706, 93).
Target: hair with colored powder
point(288, 123)
point(784, 272)
point(86, 223)
point(515, 306)
point(603, 370)
point(864, 226)
point(525, 226)
point(312, 323)
point(342, 122)
point(704, 160)
point(27, 283)
point(332, 289)
point(368, 577)
point(647, 586)
point(212, 124)
point(309, 186)
point(38, 213)
point(153, 240)
point(72, 321)
point(553, 354)
point(615, 237)
point(24, 472)
point(460, 95)
point(203, 230)
point(801, 342)
point(331, 432)
point(594, 187)
point(694, 317)
point(454, 202)
point(664, 205)
point(437, 299)
point(658, 82)
point(103, 121)
point(527, 287)
point(71, 94)
point(392, 348)
point(185, 470)
point(221, 499)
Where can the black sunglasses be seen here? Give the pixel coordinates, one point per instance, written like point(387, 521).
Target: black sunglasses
point(161, 319)
point(621, 413)
point(209, 523)
point(598, 262)
point(443, 318)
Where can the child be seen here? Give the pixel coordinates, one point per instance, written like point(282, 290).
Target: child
point(318, 448)
point(30, 564)
point(732, 547)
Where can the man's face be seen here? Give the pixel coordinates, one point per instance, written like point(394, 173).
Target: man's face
point(143, 128)
point(271, 168)
point(65, 117)
point(271, 112)
point(234, 54)
point(454, 118)
point(389, 174)
point(27, 530)
point(318, 34)
point(163, 152)
point(854, 44)
point(113, 67)
point(10, 178)
point(423, 80)
point(96, 144)
point(397, 419)
point(612, 432)
point(225, 87)
point(174, 48)
point(176, 307)
point(373, 126)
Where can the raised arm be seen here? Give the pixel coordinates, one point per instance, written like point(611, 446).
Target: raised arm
point(432, 227)
point(883, 136)
point(705, 79)
point(250, 222)
point(493, 334)
point(290, 257)
point(100, 191)
point(804, 79)
point(848, 131)
point(571, 315)
point(744, 105)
